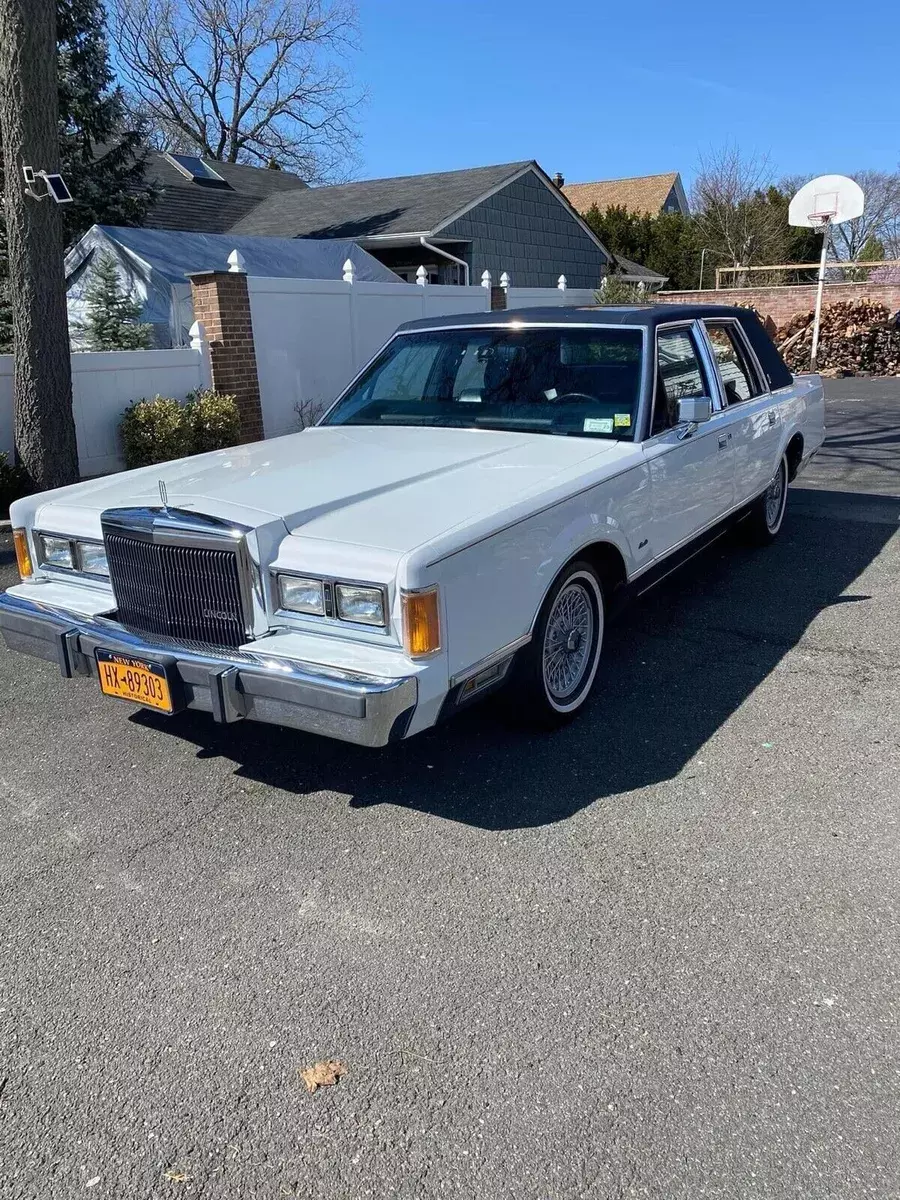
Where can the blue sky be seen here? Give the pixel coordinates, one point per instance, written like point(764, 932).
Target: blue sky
point(599, 91)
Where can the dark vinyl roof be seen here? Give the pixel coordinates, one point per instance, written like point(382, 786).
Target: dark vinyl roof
point(405, 204)
point(649, 316)
point(200, 207)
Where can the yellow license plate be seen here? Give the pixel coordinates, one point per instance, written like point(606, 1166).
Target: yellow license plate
point(134, 679)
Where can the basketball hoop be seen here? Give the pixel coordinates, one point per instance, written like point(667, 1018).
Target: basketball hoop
point(821, 203)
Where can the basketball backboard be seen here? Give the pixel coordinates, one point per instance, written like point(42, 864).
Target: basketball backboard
point(826, 200)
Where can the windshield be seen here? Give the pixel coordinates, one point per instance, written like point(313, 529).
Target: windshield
point(563, 381)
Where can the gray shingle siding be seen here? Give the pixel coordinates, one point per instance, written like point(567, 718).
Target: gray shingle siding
point(523, 229)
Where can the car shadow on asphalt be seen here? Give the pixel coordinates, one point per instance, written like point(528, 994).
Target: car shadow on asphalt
point(676, 666)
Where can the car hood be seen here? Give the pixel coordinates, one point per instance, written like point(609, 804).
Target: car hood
point(389, 488)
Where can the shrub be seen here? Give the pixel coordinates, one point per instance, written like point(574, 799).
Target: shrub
point(213, 419)
point(14, 482)
point(153, 431)
point(620, 291)
point(161, 429)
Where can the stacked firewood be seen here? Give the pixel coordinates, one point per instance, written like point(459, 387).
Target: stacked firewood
point(857, 337)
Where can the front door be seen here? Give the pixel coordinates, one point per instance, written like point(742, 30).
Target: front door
point(692, 477)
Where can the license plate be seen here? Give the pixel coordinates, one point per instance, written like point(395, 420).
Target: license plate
point(134, 679)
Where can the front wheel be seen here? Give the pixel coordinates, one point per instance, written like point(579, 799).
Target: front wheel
point(555, 673)
point(767, 514)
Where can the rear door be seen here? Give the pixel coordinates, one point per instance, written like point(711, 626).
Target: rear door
point(691, 476)
point(753, 417)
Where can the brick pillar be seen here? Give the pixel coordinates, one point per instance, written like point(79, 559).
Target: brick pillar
point(222, 303)
point(498, 298)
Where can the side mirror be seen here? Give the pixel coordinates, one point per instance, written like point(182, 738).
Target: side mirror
point(694, 410)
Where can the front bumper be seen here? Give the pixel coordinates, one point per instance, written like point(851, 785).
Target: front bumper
point(367, 710)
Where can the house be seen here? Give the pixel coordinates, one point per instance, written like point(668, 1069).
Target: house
point(209, 197)
point(153, 266)
point(457, 224)
point(650, 194)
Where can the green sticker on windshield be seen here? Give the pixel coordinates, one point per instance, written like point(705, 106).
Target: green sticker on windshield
point(622, 420)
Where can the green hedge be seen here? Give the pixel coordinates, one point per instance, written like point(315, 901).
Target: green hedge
point(161, 429)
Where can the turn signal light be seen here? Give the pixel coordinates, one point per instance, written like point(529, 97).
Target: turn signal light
point(23, 554)
point(421, 622)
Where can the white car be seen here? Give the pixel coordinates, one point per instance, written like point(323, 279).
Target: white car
point(464, 517)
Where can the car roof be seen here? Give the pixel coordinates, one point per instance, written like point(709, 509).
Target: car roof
point(649, 315)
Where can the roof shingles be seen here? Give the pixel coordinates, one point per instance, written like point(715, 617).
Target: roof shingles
point(185, 204)
point(640, 193)
point(403, 205)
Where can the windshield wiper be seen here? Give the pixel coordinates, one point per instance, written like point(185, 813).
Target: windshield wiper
point(529, 424)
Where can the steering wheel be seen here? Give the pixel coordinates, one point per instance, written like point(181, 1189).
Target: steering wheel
point(567, 397)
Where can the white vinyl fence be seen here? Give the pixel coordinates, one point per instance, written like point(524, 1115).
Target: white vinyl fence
point(103, 385)
point(522, 297)
point(313, 335)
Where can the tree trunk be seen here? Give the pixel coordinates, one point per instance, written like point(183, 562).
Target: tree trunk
point(44, 425)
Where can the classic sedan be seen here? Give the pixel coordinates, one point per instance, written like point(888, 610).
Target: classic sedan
point(465, 517)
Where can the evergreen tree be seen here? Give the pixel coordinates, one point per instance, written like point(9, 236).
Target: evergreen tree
point(112, 316)
point(873, 250)
point(102, 161)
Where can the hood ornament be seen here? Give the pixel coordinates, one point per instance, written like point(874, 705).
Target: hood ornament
point(163, 495)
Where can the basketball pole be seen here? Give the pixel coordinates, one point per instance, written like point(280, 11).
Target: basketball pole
point(826, 234)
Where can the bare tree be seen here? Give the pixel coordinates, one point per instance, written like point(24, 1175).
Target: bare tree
point(733, 211)
point(44, 425)
point(244, 80)
point(881, 218)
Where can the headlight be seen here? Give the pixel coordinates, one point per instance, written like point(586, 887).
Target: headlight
point(92, 558)
point(365, 605)
point(302, 595)
point(57, 552)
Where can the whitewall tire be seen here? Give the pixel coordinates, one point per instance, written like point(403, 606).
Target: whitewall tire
point(557, 670)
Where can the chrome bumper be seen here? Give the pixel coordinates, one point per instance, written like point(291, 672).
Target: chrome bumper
point(366, 710)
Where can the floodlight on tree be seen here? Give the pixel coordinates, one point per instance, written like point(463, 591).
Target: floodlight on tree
point(54, 186)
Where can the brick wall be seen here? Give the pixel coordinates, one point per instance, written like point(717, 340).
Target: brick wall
point(782, 303)
point(222, 304)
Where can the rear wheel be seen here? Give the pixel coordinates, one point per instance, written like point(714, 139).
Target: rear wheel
point(555, 673)
point(767, 514)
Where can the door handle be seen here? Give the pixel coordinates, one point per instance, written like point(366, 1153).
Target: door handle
point(773, 416)
point(723, 441)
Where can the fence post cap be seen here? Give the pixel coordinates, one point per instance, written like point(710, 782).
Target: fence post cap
point(505, 280)
point(349, 270)
point(485, 279)
point(197, 334)
point(237, 264)
point(561, 283)
point(421, 276)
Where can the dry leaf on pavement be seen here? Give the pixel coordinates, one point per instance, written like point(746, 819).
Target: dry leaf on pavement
point(174, 1176)
point(322, 1074)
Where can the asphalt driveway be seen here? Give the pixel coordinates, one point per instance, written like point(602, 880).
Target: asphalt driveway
point(656, 954)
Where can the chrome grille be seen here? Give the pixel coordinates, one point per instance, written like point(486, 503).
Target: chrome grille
point(187, 593)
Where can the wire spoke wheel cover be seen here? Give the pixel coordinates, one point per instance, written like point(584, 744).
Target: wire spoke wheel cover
point(570, 643)
point(776, 494)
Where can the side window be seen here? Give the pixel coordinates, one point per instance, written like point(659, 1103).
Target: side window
point(738, 376)
point(679, 376)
